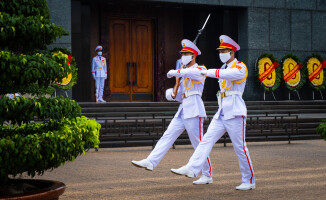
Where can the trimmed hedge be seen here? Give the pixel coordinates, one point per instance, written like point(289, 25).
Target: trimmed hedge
point(19, 71)
point(26, 67)
point(45, 149)
point(321, 129)
point(25, 7)
point(23, 34)
point(21, 110)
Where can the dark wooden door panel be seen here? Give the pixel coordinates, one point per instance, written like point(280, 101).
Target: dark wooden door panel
point(119, 55)
point(142, 53)
point(131, 59)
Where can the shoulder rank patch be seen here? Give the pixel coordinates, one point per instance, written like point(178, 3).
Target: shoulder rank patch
point(238, 67)
point(201, 67)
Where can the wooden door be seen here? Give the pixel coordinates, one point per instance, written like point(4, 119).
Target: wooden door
point(131, 60)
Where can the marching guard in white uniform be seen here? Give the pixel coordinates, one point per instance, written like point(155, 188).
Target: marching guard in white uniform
point(230, 117)
point(99, 73)
point(190, 115)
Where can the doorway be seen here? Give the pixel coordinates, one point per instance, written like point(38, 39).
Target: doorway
point(131, 44)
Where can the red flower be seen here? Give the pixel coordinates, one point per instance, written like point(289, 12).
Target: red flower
point(70, 59)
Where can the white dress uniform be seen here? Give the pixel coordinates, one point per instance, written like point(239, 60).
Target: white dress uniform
point(190, 115)
point(99, 73)
point(230, 117)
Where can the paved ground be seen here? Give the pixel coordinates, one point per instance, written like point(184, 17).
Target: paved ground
point(283, 171)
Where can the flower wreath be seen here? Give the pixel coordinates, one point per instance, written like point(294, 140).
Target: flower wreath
point(294, 75)
point(268, 72)
point(316, 75)
point(71, 79)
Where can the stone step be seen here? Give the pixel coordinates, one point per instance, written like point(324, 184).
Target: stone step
point(208, 108)
point(207, 103)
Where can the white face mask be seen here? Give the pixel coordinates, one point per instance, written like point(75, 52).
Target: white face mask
point(224, 57)
point(99, 53)
point(186, 59)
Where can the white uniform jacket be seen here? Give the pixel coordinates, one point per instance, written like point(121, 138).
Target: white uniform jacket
point(99, 66)
point(191, 88)
point(232, 77)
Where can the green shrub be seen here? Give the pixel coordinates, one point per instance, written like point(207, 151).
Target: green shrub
point(50, 145)
point(22, 110)
point(19, 71)
point(321, 129)
point(27, 66)
point(29, 32)
point(25, 7)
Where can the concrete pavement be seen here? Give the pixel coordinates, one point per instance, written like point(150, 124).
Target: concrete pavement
point(283, 171)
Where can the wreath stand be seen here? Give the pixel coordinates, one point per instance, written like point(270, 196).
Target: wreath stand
point(313, 95)
point(55, 93)
point(297, 94)
point(272, 94)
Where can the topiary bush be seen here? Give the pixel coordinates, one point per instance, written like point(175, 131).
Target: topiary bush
point(321, 129)
point(37, 134)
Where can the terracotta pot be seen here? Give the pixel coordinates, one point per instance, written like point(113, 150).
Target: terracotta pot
point(49, 190)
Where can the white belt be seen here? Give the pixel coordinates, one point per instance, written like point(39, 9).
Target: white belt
point(190, 93)
point(221, 95)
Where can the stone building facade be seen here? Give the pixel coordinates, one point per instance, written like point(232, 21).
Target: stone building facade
point(273, 26)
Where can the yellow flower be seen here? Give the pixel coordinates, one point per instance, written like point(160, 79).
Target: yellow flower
point(263, 65)
point(312, 65)
point(288, 65)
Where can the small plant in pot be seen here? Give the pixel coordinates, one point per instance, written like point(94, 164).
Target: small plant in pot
point(39, 133)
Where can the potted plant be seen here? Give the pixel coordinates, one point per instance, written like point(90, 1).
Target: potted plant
point(39, 133)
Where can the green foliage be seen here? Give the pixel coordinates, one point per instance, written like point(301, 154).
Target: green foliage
point(25, 7)
point(321, 129)
point(49, 146)
point(303, 72)
point(73, 66)
point(22, 110)
point(278, 72)
point(26, 67)
point(19, 71)
point(323, 85)
point(34, 89)
point(24, 34)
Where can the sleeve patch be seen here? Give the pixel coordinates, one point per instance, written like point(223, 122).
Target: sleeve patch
point(238, 67)
point(201, 67)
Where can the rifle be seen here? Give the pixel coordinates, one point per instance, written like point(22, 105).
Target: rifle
point(177, 79)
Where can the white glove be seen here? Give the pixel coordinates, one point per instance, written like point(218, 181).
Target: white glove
point(203, 72)
point(168, 94)
point(169, 74)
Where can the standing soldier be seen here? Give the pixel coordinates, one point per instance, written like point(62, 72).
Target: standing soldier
point(230, 117)
point(99, 73)
point(190, 115)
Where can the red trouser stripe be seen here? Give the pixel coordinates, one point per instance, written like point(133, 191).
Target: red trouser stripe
point(209, 163)
point(200, 128)
point(244, 149)
point(210, 168)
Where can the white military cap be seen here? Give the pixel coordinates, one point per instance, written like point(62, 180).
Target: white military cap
point(188, 46)
point(98, 48)
point(227, 43)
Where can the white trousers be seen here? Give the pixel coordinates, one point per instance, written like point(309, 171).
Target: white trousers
point(236, 129)
point(194, 128)
point(99, 87)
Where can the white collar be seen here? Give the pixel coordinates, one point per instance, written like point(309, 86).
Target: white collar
point(192, 66)
point(231, 63)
